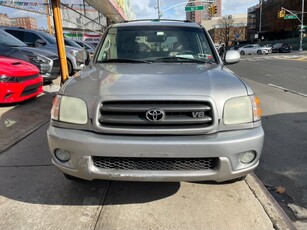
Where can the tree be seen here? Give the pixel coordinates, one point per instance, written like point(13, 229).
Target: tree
point(227, 30)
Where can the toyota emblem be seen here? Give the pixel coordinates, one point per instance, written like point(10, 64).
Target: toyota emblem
point(155, 115)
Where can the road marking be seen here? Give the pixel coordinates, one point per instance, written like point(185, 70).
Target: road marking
point(287, 90)
point(302, 58)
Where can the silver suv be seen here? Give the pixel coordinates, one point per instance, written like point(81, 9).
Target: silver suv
point(156, 104)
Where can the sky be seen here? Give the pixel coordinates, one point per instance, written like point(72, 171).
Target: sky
point(147, 9)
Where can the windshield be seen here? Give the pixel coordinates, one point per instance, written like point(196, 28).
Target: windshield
point(9, 40)
point(156, 44)
point(72, 43)
point(50, 39)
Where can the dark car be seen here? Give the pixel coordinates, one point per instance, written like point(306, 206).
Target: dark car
point(47, 62)
point(281, 48)
point(45, 41)
point(88, 47)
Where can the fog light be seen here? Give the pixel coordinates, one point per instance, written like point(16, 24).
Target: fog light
point(62, 155)
point(247, 157)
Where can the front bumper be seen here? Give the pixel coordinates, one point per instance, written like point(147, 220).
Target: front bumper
point(226, 146)
point(20, 91)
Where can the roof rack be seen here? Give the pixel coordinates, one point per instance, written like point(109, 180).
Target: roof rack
point(156, 20)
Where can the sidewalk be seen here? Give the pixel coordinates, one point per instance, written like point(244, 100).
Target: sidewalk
point(34, 195)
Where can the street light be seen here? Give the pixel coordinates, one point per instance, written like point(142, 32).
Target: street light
point(302, 27)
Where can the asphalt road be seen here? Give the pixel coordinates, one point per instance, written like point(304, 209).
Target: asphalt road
point(280, 81)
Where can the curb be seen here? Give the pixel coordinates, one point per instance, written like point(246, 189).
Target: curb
point(278, 217)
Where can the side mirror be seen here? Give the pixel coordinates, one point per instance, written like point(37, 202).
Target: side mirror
point(39, 43)
point(231, 57)
point(83, 57)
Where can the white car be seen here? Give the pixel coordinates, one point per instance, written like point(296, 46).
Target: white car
point(253, 49)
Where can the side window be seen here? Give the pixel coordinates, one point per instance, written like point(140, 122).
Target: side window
point(17, 34)
point(30, 38)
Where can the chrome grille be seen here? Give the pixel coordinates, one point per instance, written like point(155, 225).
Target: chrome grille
point(178, 114)
point(155, 164)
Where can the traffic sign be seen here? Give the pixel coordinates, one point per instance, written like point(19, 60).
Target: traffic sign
point(193, 8)
point(290, 16)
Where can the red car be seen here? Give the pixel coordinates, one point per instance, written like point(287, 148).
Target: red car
point(19, 80)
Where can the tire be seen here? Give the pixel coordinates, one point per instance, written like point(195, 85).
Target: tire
point(259, 52)
point(70, 68)
point(242, 52)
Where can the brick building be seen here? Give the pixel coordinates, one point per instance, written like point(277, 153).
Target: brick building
point(263, 23)
point(5, 20)
point(25, 22)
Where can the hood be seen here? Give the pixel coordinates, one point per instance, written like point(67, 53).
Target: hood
point(38, 51)
point(53, 48)
point(16, 67)
point(14, 52)
point(123, 81)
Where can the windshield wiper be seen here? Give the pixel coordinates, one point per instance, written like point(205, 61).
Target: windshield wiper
point(178, 59)
point(122, 60)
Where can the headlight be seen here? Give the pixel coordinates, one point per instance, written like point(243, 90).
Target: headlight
point(6, 79)
point(73, 52)
point(69, 109)
point(242, 110)
point(38, 59)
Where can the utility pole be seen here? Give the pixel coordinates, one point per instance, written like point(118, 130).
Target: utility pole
point(60, 39)
point(159, 10)
point(48, 17)
point(260, 17)
point(302, 27)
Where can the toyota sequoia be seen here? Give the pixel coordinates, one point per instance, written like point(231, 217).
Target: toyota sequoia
point(156, 104)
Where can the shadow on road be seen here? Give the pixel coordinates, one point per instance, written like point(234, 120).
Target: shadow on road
point(19, 119)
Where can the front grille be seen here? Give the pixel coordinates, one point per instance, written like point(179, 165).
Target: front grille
point(27, 78)
point(176, 114)
point(30, 89)
point(56, 63)
point(155, 164)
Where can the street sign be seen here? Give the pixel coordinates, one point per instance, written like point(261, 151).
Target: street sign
point(290, 16)
point(193, 8)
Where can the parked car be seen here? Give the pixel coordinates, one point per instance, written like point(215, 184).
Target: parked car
point(253, 49)
point(69, 42)
point(46, 61)
point(88, 47)
point(138, 113)
point(35, 38)
point(268, 47)
point(92, 41)
point(281, 48)
point(19, 80)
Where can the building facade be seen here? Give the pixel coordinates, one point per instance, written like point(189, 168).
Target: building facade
point(263, 23)
point(5, 20)
point(25, 22)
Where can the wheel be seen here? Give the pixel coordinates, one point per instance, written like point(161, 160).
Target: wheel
point(72, 178)
point(70, 68)
point(259, 52)
point(242, 52)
